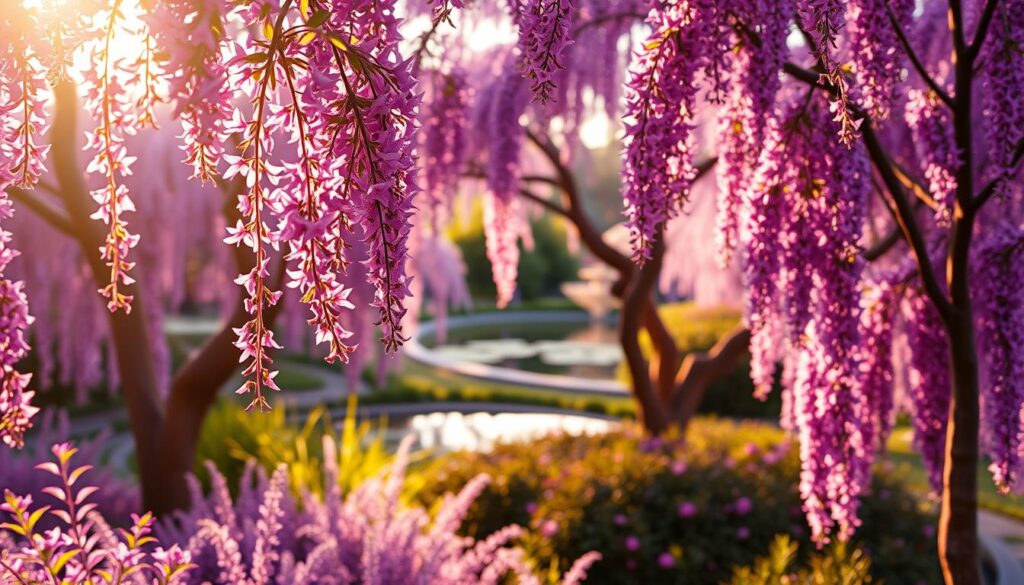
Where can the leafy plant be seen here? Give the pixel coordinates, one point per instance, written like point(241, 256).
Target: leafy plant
point(81, 547)
point(835, 565)
point(232, 438)
point(663, 512)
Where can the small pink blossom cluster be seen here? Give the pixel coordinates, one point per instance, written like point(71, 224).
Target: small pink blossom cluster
point(82, 548)
point(23, 94)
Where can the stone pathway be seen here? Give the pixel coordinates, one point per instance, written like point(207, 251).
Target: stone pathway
point(1003, 537)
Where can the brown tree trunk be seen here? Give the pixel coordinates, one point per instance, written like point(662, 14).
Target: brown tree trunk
point(958, 519)
point(128, 330)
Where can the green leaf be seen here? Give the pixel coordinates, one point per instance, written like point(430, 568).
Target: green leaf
point(319, 18)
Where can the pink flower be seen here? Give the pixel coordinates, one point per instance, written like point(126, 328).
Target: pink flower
point(743, 506)
point(742, 533)
point(666, 560)
point(687, 510)
point(549, 528)
point(619, 519)
point(632, 543)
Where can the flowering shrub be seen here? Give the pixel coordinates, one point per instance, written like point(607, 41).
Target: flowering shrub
point(19, 472)
point(268, 536)
point(81, 547)
point(660, 513)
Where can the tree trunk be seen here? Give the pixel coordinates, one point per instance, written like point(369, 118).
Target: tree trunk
point(958, 520)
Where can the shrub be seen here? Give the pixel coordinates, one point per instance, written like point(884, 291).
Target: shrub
point(835, 565)
point(661, 512)
point(80, 547)
point(266, 535)
point(231, 438)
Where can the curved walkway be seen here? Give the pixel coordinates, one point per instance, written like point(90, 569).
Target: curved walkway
point(417, 352)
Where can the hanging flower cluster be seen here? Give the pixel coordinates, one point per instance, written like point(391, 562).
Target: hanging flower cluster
point(928, 380)
point(112, 107)
point(1004, 82)
point(998, 282)
point(824, 20)
point(444, 143)
point(544, 33)
point(661, 98)
point(875, 51)
point(16, 410)
point(189, 35)
point(352, 128)
point(753, 87)
point(931, 127)
point(23, 97)
point(501, 106)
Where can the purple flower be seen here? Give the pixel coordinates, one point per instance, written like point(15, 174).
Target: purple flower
point(742, 533)
point(666, 560)
point(743, 506)
point(687, 510)
point(632, 543)
point(619, 519)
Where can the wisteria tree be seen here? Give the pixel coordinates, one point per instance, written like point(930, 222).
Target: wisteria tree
point(866, 184)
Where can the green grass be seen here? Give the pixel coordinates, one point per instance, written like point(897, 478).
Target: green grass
point(908, 466)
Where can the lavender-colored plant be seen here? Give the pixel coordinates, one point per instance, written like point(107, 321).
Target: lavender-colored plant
point(81, 547)
point(365, 537)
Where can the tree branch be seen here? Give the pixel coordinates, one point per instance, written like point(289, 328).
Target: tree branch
point(982, 32)
point(700, 369)
point(989, 189)
point(546, 204)
point(51, 214)
point(914, 59)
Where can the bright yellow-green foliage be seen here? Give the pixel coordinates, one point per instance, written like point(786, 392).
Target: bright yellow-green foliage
point(695, 328)
point(833, 565)
point(232, 436)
